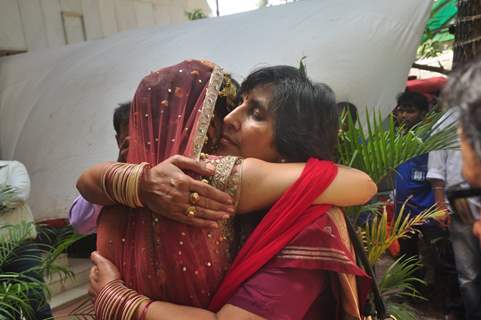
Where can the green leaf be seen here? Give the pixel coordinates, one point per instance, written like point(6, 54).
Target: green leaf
point(378, 151)
point(14, 286)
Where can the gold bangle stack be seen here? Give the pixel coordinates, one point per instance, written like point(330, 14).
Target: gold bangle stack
point(120, 183)
point(116, 301)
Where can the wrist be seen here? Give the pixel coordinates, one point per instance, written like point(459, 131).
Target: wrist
point(144, 182)
point(141, 313)
point(121, 182)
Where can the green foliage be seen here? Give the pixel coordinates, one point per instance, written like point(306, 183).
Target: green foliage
point(302, 65)
point(8, 198)
point(262, 3)
point(378, 148)
point(401, 311)
point(195, 14)
point(16, 287)
point(399, 280)
point(378, 235)
point(378, 151)
point(430, 48)
point(436, 37)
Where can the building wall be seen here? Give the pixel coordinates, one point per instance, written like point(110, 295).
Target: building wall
point(27, 25)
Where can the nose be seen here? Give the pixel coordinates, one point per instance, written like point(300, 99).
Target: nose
point(401, 115)
point(233, 120)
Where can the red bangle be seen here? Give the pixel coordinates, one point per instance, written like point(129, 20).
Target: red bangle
point(143, 314)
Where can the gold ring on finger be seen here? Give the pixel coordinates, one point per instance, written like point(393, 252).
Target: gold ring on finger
point(190, 211)
point(194, 197)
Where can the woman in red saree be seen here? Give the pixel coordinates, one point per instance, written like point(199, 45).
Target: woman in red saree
point(203, 255)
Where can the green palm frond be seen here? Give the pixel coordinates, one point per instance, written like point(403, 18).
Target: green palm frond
point(399, 279)
point(16, 290)
point(13, 236)
point(378, 150)
point(378, 235)
point(14, 286)
point(401, 311)
point(60, 244)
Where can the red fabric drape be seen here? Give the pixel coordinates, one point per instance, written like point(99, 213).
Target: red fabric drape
point(158, 257)
point(289, 216)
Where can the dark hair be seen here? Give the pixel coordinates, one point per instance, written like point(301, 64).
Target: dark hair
point(463, 90)
point(415, 99)
point(345, 106)
point(121, 115)
point(305, 113)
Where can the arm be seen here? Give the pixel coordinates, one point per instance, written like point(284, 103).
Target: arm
point(105, 271)
point(89, 185)
point(18, 179)
point(83, 215)
point(165, 189)
point(437, 176)
point(299, 289)
point(263, 183)
point(160, 310)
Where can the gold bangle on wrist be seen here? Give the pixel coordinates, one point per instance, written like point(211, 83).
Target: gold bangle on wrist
point(120, 183)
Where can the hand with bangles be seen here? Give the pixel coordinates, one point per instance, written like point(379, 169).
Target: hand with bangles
point(112, 299)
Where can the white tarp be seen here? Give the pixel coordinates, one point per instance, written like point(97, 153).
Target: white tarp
point(56, 105)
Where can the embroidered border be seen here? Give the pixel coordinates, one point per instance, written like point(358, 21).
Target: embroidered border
point(313, 249)
point(223, 169)
point(312, 253)
point(207, 110)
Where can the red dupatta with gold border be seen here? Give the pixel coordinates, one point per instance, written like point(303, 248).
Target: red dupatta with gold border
point(162, 259)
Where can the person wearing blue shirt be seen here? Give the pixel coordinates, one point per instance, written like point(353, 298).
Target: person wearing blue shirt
point(412, 189)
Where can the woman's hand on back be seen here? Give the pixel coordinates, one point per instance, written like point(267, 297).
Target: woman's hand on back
point(166, 190)
point(101, 273)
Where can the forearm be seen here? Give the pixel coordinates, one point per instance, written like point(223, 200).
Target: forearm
point(89, 184)
point(263, 183)
point(160, 310)
point(439, 192)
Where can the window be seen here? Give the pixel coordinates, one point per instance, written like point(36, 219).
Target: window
point(73, 27)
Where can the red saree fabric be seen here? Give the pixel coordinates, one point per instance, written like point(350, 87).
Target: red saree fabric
point(291, 214)
point(159, 258)
point(314, 276)
point(325, 246)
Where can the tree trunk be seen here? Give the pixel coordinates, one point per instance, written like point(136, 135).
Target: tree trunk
point(467, 44)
